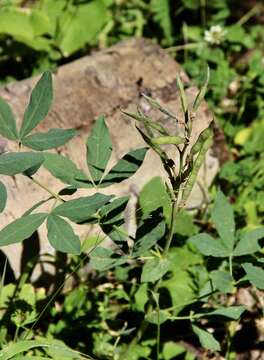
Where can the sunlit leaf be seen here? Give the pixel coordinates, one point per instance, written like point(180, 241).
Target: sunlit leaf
point(248, 243)
point(223, 218)
point(15, 163)
point(39, 104)
point(125, 167)
point(83, 208)
point(255, 275)
point(61, 235)
point(99, 149)
point(3, 196)
point(207, 340)
point(50, 140)
point(7, 121)
point(21, 229)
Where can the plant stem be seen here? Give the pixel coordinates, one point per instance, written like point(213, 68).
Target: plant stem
point(44, 187)
point(230, 265)
point(171, 230)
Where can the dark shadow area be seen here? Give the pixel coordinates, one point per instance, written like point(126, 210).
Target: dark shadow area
point(9, 272)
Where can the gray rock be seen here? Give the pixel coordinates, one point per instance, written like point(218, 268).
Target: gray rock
point(102, 83)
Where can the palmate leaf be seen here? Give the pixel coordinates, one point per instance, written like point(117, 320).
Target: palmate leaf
point(61, 235)
point(7, 121)
point(15, 163)
point(21, 229)
point(83, 208)
point(39, 104)
point(99, 149)
point(3, 196)
point(125, 167)
point(50, 140)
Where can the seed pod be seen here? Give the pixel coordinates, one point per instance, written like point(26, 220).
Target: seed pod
point(194, 173)
point(168, 140)
point(156, 105)
point(184, 102)
point(205, 134)
point(201, 93)
point(147, 121)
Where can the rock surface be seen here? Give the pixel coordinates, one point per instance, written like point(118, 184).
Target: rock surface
point(102, 83)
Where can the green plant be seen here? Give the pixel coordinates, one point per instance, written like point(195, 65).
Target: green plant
point(146, 264)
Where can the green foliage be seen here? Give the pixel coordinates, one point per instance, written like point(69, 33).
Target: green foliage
point(146, 282)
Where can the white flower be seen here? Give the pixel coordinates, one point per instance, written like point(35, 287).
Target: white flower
point(215, 35)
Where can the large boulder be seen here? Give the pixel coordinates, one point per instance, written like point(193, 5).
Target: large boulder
point(102, 84)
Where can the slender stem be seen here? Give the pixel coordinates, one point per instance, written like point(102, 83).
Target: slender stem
point(231, 265)
point(44, 187)
point(185, 46)
point(171, 230)
point(249, 14)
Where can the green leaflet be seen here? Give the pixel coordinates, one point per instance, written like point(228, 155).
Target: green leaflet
point(65, 170)
point(161, 9)
point(61, 235)
point(50, 140)
point(21, 229)
point(99, 149)
point(222, 281)
point(39, 104)
point(254, 274)
point(248, 243)
point(125, 167)
point(15, 163)
point(232, 312)
point(223, 218)
point(200, 96)
point(83, 208)
point(148, 203)
point(207, 340)
point(3, 196)
point(80, 26)
point(7, 121)
point(209, 246)
point(154, 269)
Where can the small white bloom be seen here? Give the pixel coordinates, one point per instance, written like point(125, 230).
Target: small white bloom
point(215, 35)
